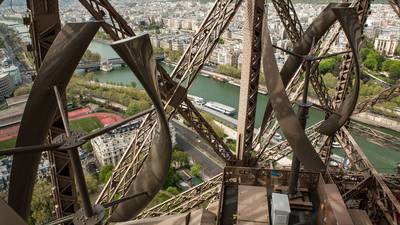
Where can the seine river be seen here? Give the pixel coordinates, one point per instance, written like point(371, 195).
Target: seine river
point(383, 158)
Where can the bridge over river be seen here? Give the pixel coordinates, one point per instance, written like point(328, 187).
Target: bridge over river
point(95, 65)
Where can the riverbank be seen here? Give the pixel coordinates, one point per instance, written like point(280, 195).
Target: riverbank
point(369, 118)
point(377, 120)
point(262, 89)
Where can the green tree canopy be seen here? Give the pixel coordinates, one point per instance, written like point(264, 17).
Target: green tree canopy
point(136, 107)
point(92, 183)
point(329, 65)
point(23, 90)
point(172, 179)
point(393, 68)
point(91, 56)
point(218, 129)
point(195, 170)
point(42, 203)
point(180, 158)
point(105, 173)
point(228, 70)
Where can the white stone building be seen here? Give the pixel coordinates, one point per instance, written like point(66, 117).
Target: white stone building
point(386, 44)
point(6, 85)
point(110, 147)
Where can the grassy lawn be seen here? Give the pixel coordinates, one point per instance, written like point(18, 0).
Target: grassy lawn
point(86, 124)
point(8, 144)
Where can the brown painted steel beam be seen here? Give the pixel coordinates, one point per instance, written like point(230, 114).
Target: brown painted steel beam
point(375, 134)
point(349, 21)
point(44, 26)
point(57, 68)
point(362, 8)
point(9, 216)
point(251, 65)
point(313, 34)
point(282, 149)
point(380, 194)
point(284, 113)
point(290, 20)
point(187, 200)
point(396, 6)
point(382, 97)
point(137, 52)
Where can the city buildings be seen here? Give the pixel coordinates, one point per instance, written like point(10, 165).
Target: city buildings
point(14, 72)
point(5, 169)
point(6, 85)
point(110, 147)
point(386, 44)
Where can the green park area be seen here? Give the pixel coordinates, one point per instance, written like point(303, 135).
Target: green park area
point(8, 144)
point(86, 124)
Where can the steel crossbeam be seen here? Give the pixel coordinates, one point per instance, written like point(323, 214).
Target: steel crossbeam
point(362, 7)
point(251, 66)
point(384, 96)
point(187, 200)
point(396, 6)
point(375, 134)
point(380, 195)
point(282, 149)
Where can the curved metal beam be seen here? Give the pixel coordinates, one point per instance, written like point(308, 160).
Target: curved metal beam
point(137, 52)
point(314, 32)
point(284, 113)
point(57, 68)
point(348, 18)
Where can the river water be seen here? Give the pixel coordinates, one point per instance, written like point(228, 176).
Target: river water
point(383, 158)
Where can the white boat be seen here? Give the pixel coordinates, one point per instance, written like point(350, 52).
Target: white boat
point(220, 108)
point(337, 158)
point(197, 100)
point(262, 92)
point(336, 144)
point(106, 66)
point(278, 137)
point(233, 83)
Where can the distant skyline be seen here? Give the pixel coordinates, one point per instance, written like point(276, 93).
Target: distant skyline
point(7, 3)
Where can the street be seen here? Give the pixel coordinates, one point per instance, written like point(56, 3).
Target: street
point(199, 150)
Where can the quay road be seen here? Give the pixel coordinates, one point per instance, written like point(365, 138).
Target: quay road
point(198, 149)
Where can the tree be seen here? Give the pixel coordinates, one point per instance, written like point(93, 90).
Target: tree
point(87, 147)
point(23, 90)
point(42, 203)
point(393, 68)
point(174, 55)
point(3, 194)
point(394, 71)
point(228, 70)
point(105, 173)
point(90, 76)
point(172, 179)
point(371, 63)
point(327, 65)
point(172, 190)
point(218, 129)
point(195, 170)
point(397, 51)
point(91, 183)
point(91, 56)
point(180, 158)
point(136, 107)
